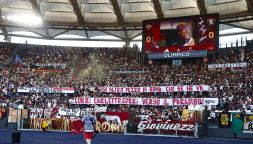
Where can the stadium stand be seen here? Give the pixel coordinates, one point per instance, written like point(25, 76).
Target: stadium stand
point(23, 66)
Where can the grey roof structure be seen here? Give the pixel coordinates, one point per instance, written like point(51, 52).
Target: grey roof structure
point(121, 19)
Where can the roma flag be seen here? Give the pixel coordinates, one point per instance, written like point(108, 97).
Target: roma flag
point(76, 127)
point(237, 122)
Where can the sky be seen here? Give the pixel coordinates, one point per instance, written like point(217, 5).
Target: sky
point(72, 43)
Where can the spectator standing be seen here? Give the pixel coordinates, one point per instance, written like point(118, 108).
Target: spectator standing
point(89, 121)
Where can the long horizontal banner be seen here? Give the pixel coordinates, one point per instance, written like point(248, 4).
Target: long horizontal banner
point(45, 90)
point(168, 55)
point(227, 65)
point(145, 101)
point(182, 88)
point(167, 127)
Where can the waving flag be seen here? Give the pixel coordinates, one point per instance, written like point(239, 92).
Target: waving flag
point(18, 59)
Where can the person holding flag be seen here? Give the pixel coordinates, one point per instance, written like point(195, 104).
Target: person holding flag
point(237, 123)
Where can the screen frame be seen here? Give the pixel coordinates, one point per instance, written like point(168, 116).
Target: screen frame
point(216, 15)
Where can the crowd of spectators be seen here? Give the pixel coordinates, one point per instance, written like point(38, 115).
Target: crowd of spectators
point(87, 69)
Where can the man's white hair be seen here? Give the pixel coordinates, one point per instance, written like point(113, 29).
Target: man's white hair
point(88, 111)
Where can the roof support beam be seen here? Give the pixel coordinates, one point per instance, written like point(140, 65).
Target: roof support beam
point(87, 34)
point(74, 39)
point(240, 33)
point(35, 6)
point(236, 18)
point(202, 7)
point(117, 11)
point(133, 37)
point(158, 8)
point(5, 34)
point(33, 31)
point(47, 33)
point(126, 35)
point(77, 12)
point(4, 30)
point(110, 34)
point(238, 26)
point(250, 5)
point(94, 28)
point(60, 33)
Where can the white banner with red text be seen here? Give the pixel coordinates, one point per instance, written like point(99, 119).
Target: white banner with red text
point(145, 101)
point(180, 88)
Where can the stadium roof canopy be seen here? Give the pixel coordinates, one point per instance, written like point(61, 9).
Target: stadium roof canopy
point(122, 19)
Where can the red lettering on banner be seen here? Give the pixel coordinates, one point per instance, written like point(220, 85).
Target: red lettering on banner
point(114, 100)
point(76, 100)
point(147, 101)
point(108, 100)
point(157, 101)
point(201, 101)
point(180, 88)
point(189, 87)
point(155, 89)
point(174, 101)
point(145, 89)
point(124, 100)
point(150, 101)
point(138, 89)
point(102, 100)
point(132, 101)
point(118, 89)
point(103, 89)
point(170, 88)
point(96, 100)
point(144, 101)
point(151, 89)
point(79, 100)
point(111, 89)
point(181, 101)
point(165, 103)
point(87, 100)
point(127, 89)
point(137, 101)
point(194, 101)
point(105, 100)
point(118, 100)
point(199, 88)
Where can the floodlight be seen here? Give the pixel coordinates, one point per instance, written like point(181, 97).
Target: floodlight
point(25, 19)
